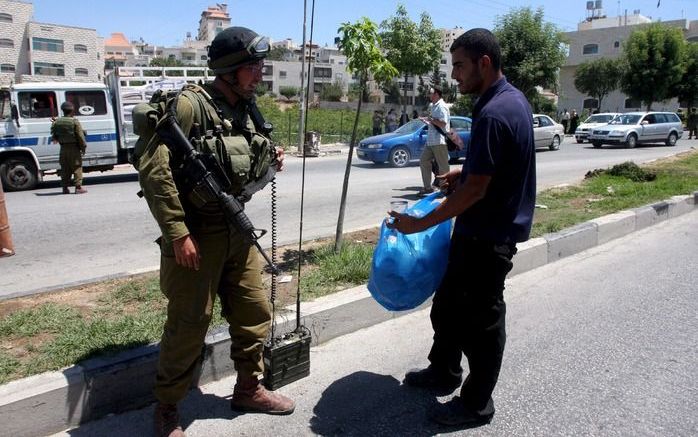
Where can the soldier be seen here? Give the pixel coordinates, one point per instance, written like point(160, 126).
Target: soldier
point(69, 134)
point(201, 254)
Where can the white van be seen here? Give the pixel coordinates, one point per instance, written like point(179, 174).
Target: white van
point(27, 110)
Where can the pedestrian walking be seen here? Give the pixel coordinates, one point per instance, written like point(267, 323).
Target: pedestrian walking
point(67, 130)
point(377, 121)
point(565, 120)
point(436, 148)
point(574, 122)
point(202, 255)
point(493, 197)
point(692, 123)
point(390, 121)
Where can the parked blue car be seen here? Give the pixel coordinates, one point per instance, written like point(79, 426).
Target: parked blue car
point(406, 143)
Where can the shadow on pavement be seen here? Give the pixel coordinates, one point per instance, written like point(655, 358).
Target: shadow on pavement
point(368, 404)
point(91, 181)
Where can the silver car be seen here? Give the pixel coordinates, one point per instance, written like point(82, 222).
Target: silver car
point(546, 132)
point(635, 128)
point(596, 120)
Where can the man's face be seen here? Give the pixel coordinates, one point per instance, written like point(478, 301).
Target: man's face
point(466, 72)
point(434, 96)
point(248, 77)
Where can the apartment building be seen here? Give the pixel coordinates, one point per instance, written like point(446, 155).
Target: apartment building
point(600, 36)
point(32, 52)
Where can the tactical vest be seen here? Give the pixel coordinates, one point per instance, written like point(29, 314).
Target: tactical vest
point(63, 129)
point(243, 153)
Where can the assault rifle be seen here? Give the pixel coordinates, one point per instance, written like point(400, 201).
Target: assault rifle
point(206, 181)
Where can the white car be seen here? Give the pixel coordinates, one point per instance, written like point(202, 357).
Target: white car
point(546, 132)
point(584, 130)
point(633, 128)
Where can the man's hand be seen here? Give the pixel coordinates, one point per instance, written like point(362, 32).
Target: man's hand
point(450, 180)
point(280, 158)
point(187, 252)
point(404, 223)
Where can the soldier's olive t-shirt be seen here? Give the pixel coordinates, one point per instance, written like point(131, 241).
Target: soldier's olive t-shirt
point(501, 146)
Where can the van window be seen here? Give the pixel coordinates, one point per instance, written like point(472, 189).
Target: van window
point(38, 104)
point(88, 103)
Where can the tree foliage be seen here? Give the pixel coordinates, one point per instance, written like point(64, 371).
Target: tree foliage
point(687, 88)
point(597, 78)
point(279, 54)
point(332, 92)
point(166, 62)
point(288, 91)
point(653, 63)
point(414, 49)
point(360, 43)
point(532, 50)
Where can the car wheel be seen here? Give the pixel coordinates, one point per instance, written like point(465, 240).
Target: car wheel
point(399, 157)
point(18, 173)
point(556, 143)
point(597, 144)
point(631, 142)
point(580, 141)
point(671, 141)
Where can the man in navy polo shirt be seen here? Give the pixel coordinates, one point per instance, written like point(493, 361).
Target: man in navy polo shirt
point(493, 197)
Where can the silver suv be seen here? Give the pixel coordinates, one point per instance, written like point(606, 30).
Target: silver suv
point(635, 128)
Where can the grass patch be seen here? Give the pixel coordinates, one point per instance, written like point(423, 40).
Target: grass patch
point(335, 272)
point(48, 332)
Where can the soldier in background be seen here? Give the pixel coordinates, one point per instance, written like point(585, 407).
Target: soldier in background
point(69, 134)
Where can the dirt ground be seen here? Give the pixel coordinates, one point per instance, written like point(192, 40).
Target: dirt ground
point(84, 297)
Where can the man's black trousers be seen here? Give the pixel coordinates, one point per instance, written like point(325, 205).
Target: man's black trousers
point(468, 314)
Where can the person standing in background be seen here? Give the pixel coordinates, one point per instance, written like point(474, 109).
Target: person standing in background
point(69, 134)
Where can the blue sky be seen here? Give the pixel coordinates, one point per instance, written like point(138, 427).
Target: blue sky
point(166, 22)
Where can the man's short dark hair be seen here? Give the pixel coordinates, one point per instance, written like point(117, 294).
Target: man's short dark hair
point(478, 43)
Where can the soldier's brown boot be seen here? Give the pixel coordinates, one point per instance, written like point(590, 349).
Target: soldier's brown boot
point(80, 190)
point(166, 421)
point(66, 190)
point(250, 396)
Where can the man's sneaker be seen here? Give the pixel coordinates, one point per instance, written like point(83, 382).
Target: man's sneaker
point(80, 190)
point(250, 396)
point(166, 421)
point(66, 190)
point(455, 413)
point(433, 379)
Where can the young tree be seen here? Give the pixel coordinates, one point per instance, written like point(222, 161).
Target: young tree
point(360, 43)
point(653, 63)
point(279, 54)
point(532, 50)
point(288, 91)
point(597, 78)
point(332, 92)
point(414, 49)
point(687, 88)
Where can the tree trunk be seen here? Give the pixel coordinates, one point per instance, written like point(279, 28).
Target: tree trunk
point(345, 186)
point(649, 106)
point(404, 95)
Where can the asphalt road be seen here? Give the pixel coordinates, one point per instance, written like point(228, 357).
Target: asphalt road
point(67, 239)
point(602, 343)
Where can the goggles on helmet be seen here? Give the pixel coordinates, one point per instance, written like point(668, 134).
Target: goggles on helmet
point(259, 46)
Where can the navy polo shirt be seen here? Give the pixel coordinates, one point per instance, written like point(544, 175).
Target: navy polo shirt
point(501, 146)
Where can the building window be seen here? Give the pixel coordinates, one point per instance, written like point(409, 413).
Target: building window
point(48, 69)
point(80, 48)
point(322, 72)
point(88, 102)
point(339, 76)
point(409, 86)
point(5, 18)
point(81, 72)
point(632, 104)
point(590, 104)
point(203, 58)
point(38, 104)
point(443, 62)
point(616, 44)
point(590, 49)
point(7, 43)
point(282, 74)
point(172, 57)
point(47, 44)
point(7, 68)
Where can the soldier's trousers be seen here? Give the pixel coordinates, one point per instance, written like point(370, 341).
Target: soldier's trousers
point(70, 161)
point(230, 269)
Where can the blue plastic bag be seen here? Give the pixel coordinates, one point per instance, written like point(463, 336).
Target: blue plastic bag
point(407, 269)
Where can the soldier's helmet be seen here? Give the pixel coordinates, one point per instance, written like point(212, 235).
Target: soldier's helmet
point(67, 107)
point(235, 47)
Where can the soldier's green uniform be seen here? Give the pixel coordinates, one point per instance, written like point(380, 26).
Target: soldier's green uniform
point(229, 267)
point(69, 134)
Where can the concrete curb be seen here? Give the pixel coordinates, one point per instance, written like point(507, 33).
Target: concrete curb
point(54, 401)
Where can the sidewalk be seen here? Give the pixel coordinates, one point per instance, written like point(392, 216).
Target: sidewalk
point(104, 386)
point(591, 360)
